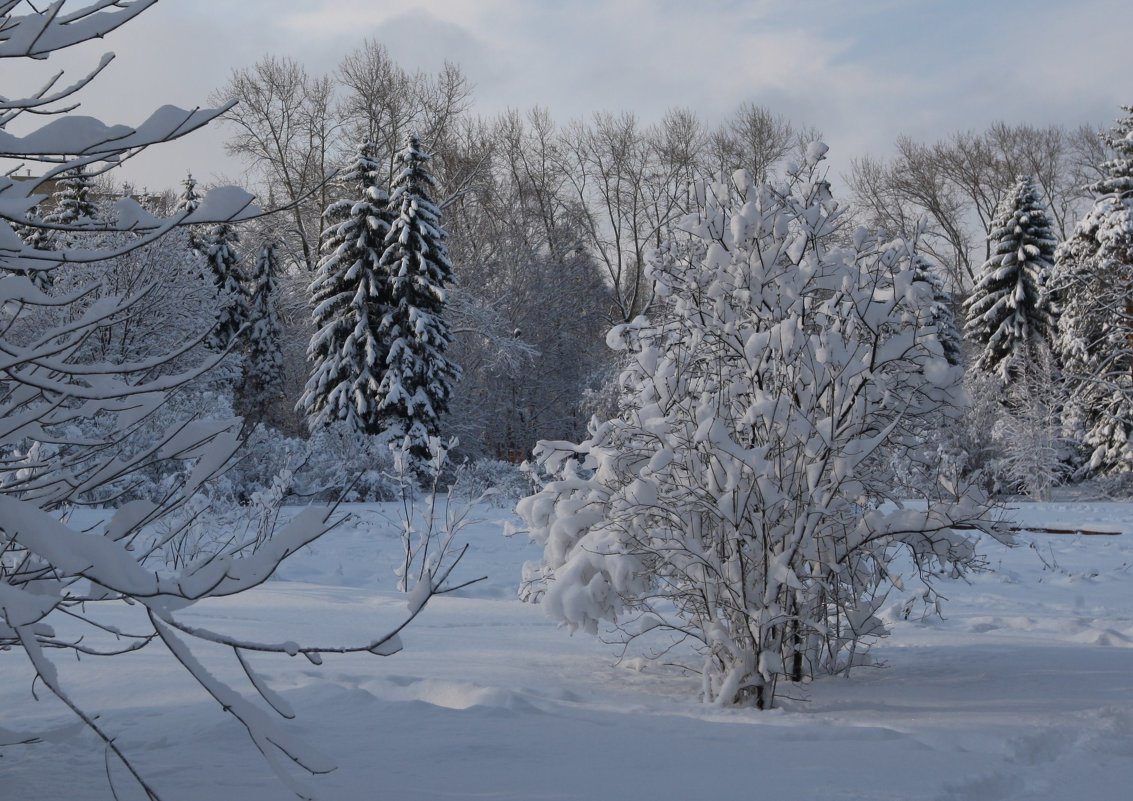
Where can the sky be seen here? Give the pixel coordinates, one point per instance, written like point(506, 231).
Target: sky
point(862, 72)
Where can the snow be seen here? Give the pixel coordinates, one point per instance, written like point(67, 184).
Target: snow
point(88, 136)
point(1024, 690)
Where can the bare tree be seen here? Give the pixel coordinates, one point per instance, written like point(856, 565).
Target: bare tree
point(1089, 148)
point(530, 302)
point(754, 139)
point(383, 103)
point(608, 164)
point(286, 128)
point(916, 186)
point(1047, 155)
point(676, 148)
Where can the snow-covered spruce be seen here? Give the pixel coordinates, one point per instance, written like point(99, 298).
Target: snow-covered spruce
point(417, 384)
point(940, 310)
point(1008, 313)
point(1093, 291)
point(350, 296)
point(232, 298)
point(263, 359)
point(187, 202)
point(189, 199)
point(744, 497)
point(70, 203)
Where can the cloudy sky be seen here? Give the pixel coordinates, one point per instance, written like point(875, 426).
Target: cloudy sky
point(861, 71)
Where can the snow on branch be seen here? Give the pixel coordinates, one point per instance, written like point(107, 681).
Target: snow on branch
point(40, 34)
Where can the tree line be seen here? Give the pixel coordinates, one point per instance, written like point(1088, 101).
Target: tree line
point(549, 225)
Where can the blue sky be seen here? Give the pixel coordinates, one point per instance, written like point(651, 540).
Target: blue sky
point(861, 71)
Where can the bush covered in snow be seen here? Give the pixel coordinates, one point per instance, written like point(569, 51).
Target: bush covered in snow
point(744, 497)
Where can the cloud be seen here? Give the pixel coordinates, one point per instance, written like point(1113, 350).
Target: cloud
point(863, 72)
point(420, 41)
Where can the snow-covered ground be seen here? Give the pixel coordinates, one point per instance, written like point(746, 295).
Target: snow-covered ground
point(1023, 691)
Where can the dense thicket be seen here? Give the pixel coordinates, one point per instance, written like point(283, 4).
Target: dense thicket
point(550, 224)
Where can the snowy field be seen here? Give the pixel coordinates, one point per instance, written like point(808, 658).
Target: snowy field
point(1023, 691)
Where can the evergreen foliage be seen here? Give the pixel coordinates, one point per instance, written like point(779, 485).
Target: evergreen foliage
point(188, 202)
point(417, 384)
point(37, 238)
point(1117, 172)
point(71, 200)
point(1007, 311)
point(350, 297)
point(940, 310)
point(1094, 293)
point(232, 300)
point(263, 366)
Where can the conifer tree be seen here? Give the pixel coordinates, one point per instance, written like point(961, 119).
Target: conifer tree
point(940, 310)
point(39, 239)
point(70, 202)
point(188, 202)
point(417, 383)
point(232, 301)
point(263, 356)
point(1093, 290)
point(350, 296)
point(1007, 312)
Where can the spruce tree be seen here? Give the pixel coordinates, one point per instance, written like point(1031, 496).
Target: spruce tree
point(940, 310)
point(70, 203)
point(232, 301)
point(417, 384)
point(1093, 290)
point(38, 239)
point(72, 199)
point(350, 297)
point(188, 202)
point(263, 367)
point(1007, 312)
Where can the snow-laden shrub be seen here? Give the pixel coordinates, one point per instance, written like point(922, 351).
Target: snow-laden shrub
point(744, 497)
point(335, 463)
point(343, 463)
point(1035, 453)
point(501, 483)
